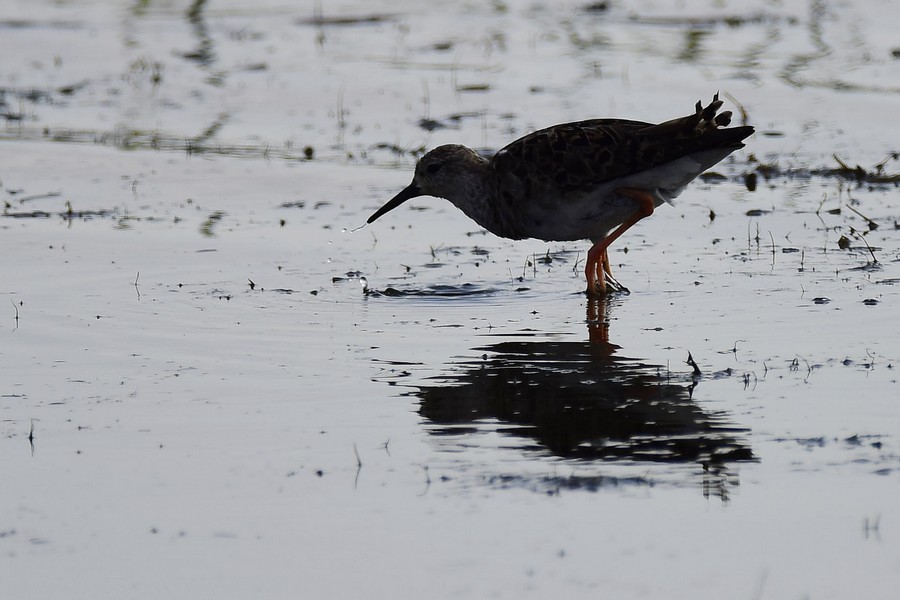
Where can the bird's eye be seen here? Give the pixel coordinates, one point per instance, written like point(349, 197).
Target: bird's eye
point(434, 168)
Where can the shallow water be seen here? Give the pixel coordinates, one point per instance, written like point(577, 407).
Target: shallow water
point(212, 383)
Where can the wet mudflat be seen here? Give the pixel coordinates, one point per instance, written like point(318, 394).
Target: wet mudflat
point(212, 383)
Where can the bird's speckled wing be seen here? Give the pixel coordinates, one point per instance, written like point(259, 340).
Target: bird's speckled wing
point(571, 156)
point(579, 156)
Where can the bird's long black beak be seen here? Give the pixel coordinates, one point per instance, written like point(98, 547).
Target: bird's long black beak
point(410, 191)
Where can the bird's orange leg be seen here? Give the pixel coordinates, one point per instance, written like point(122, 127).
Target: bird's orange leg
point(593, 270)
point(597, 271)
point(607, 274)
point(607, 268)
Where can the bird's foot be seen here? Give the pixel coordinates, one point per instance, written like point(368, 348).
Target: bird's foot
point(612, 285)
point(605, 286)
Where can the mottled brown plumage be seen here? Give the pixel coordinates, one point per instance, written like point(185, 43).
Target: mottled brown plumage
point(577, 180)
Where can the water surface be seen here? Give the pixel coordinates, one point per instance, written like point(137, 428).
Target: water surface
point(211, 384)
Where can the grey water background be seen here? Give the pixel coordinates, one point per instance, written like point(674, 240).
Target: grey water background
point(214, 383)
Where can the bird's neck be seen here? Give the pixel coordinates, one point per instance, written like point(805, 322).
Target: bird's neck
point(473, 195)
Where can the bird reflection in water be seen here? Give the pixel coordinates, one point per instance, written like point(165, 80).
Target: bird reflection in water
point(585, 402)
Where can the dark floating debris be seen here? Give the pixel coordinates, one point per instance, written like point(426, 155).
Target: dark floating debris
point(399, 150)
point(877, 175)
point(134, 139)
point(435, 291)
point(206, 228)
point(597, 7)
point(68, 90)
point(39, 24)
point(750, 180)
point(32, 197)
point(67, 214)
point(31, 214)
point(450, 122)
point(474, 87)
point(320, 20)
point(431, 124)
point(713, 21)
point(712, 177)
